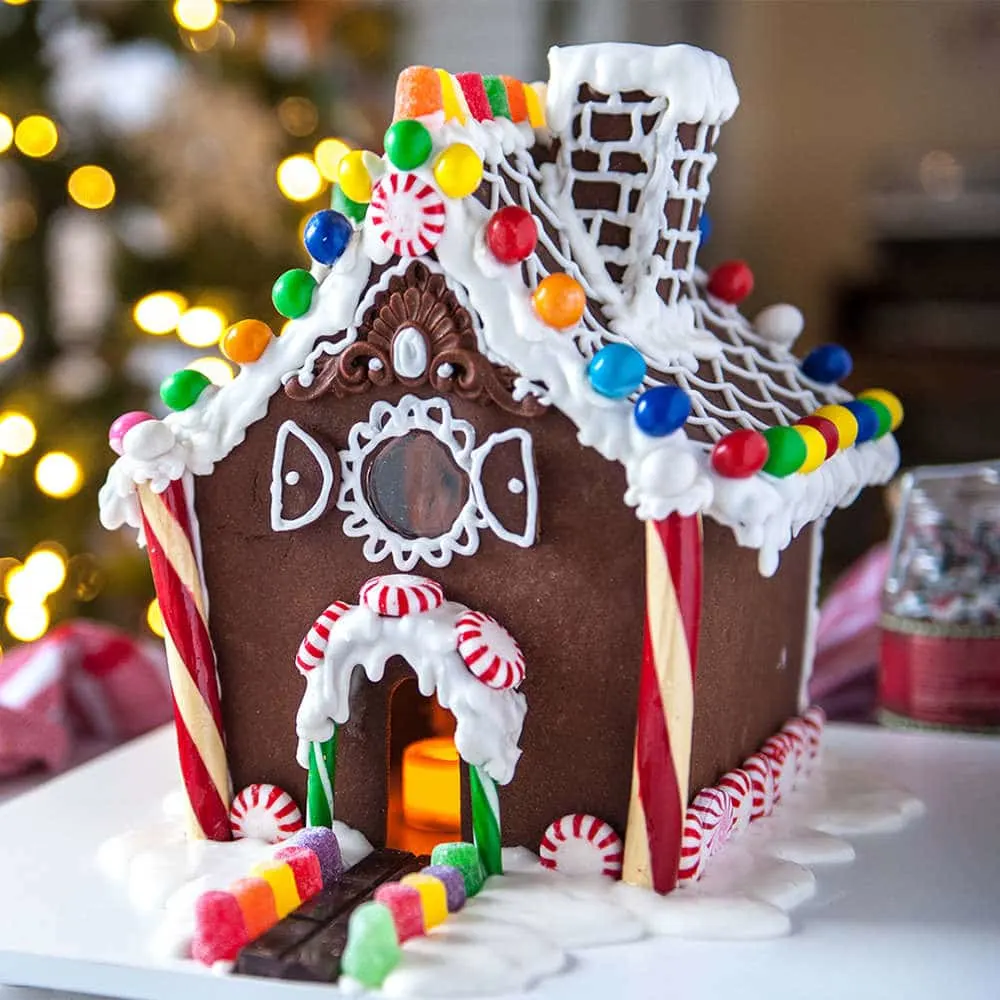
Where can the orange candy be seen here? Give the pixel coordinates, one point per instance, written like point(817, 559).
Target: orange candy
point(516, 99)
point(256, 899)
point(559, 301)
point(418, 93)
point(246, 341)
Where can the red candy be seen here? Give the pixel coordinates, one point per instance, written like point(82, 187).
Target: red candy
point(732, 281)
point(305, 868)
point(220, 931)
point(829, 431)
point(511, 234)
point(740, 454)
point(403, 902)
point(475, 95)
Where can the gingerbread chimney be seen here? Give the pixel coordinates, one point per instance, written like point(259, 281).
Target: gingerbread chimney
point(634, 128)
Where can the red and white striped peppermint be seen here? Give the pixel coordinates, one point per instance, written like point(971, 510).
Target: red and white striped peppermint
point(407, 214)
point(264, 812)
point(814, 719)
point(739, 785)
point(400, 594)
point(489, 651)
point(313, 646)
point(580, 844)
point(798, 735)
point(778, 749)
point(714, 809)
point(760, 769)
point(693, 853)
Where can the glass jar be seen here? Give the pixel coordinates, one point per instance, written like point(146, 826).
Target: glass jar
point(940, 648)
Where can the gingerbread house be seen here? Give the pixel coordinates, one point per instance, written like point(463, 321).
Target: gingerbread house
point(515, 444)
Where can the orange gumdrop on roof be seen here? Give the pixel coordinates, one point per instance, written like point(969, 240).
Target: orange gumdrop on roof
point(515, 98)
point(418, 93)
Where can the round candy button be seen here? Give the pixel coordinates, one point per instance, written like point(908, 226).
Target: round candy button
point(740, 454)
point(511, 234)
point(616, 371)
point(125, 423)
point(327, 235)
point(662, 410)
point(559, 301)
point(731, 281)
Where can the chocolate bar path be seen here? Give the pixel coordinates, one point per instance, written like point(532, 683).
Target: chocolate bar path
point(308, 943)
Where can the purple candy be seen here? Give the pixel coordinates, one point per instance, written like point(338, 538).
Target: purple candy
point(323, 843)
point(454, 884)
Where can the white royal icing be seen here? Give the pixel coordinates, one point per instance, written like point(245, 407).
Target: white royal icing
point(278, 520)
point(488, 721)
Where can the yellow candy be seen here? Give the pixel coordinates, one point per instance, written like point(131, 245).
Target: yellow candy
point(845, 422)
point(889, 400)
point(433, 898)
point(815, 447)
point(536, 108)
point(458, 170)
point(280, 877)
point(449, 98)
point(353, 177)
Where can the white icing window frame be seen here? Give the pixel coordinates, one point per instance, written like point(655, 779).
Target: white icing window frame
point(278, 521)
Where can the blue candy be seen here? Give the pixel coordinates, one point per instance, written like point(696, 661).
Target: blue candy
point(661, 410)
point(326, 236)
point(704, 227)
point(616, 371)
point(827, 363)
point(867, 420)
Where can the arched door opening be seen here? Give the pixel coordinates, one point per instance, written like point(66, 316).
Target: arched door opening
point(425, 786)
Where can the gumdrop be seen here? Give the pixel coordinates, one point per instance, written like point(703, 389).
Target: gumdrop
point(220, 930)
point(452, 880)
point(475, 95)
point(433, 898)
point(515, 99)
point(256, 899)
point(323, 842)
point(496, 94)
point(465, 858)
point(418, 92)
point(305, 867)
point(372, 949)
point(280, 877)
point(403, 902)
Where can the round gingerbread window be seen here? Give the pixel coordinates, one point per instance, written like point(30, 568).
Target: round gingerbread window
point(414, 486)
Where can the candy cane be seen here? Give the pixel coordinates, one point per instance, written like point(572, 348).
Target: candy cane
point(172, 545)
point(485, 820)
point(662, 757)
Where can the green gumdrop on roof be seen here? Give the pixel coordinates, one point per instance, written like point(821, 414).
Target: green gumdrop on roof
point(884, 416)
point(292, 293)
point(182, 389)
point(496, 94)
point(407, 144)
point(465, 858)
point(786, 451)
point(372, 949)
point(354, 210)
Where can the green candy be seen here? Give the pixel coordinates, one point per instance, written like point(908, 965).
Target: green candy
point(408, 144)
point(786, 451)
point(182, 389)
point(465, 858)
point(496, 94)
point(372, 949)
point(354, 210)
point(884, 416)
point(292, 293)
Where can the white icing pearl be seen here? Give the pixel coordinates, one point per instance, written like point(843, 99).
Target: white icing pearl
point(445, 370)
point(291, 478)
point(667, 471)
point(374, 365)
point(515, 485)
point(148, 440)
point(780, 323)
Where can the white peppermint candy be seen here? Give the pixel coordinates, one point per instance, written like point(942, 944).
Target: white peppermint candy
point(580, 844)
point(814, 719)
point(760, 769)
point(400, 594)
point(778, 749)
point(407, 214)
point(797, 734)
point(264, 812)
point(489, 651)
point(739, 785)
point(313, 646)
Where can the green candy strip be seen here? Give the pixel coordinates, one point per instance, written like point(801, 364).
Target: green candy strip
point(496, 94)
point(319, 789)
point(352, 209)
point(485, 820)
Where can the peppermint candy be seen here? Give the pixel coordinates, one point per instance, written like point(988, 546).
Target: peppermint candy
point(693, 857)
point(739, 786)
point(814, 719)
point(760, 769)
point(489, 651)
point(407, 214)
point(400, 594)
point(580, 844)
point(313, 646)
point(264, 812)
point(797, 733)
point(708, 824)
point(778, 749)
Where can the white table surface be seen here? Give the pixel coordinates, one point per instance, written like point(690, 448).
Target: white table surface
point(917, 916)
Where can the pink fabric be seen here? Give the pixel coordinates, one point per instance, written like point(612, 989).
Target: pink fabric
point(844, 678)
point(83, 681)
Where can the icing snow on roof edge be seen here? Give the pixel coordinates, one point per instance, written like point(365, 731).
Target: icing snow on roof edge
point(698, 84)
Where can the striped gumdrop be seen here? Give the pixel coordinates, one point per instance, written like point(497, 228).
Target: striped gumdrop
point(313, 646)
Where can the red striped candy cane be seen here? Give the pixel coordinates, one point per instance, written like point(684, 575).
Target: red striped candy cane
point(172, 545)
point(313, 646)
point(661, 761)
